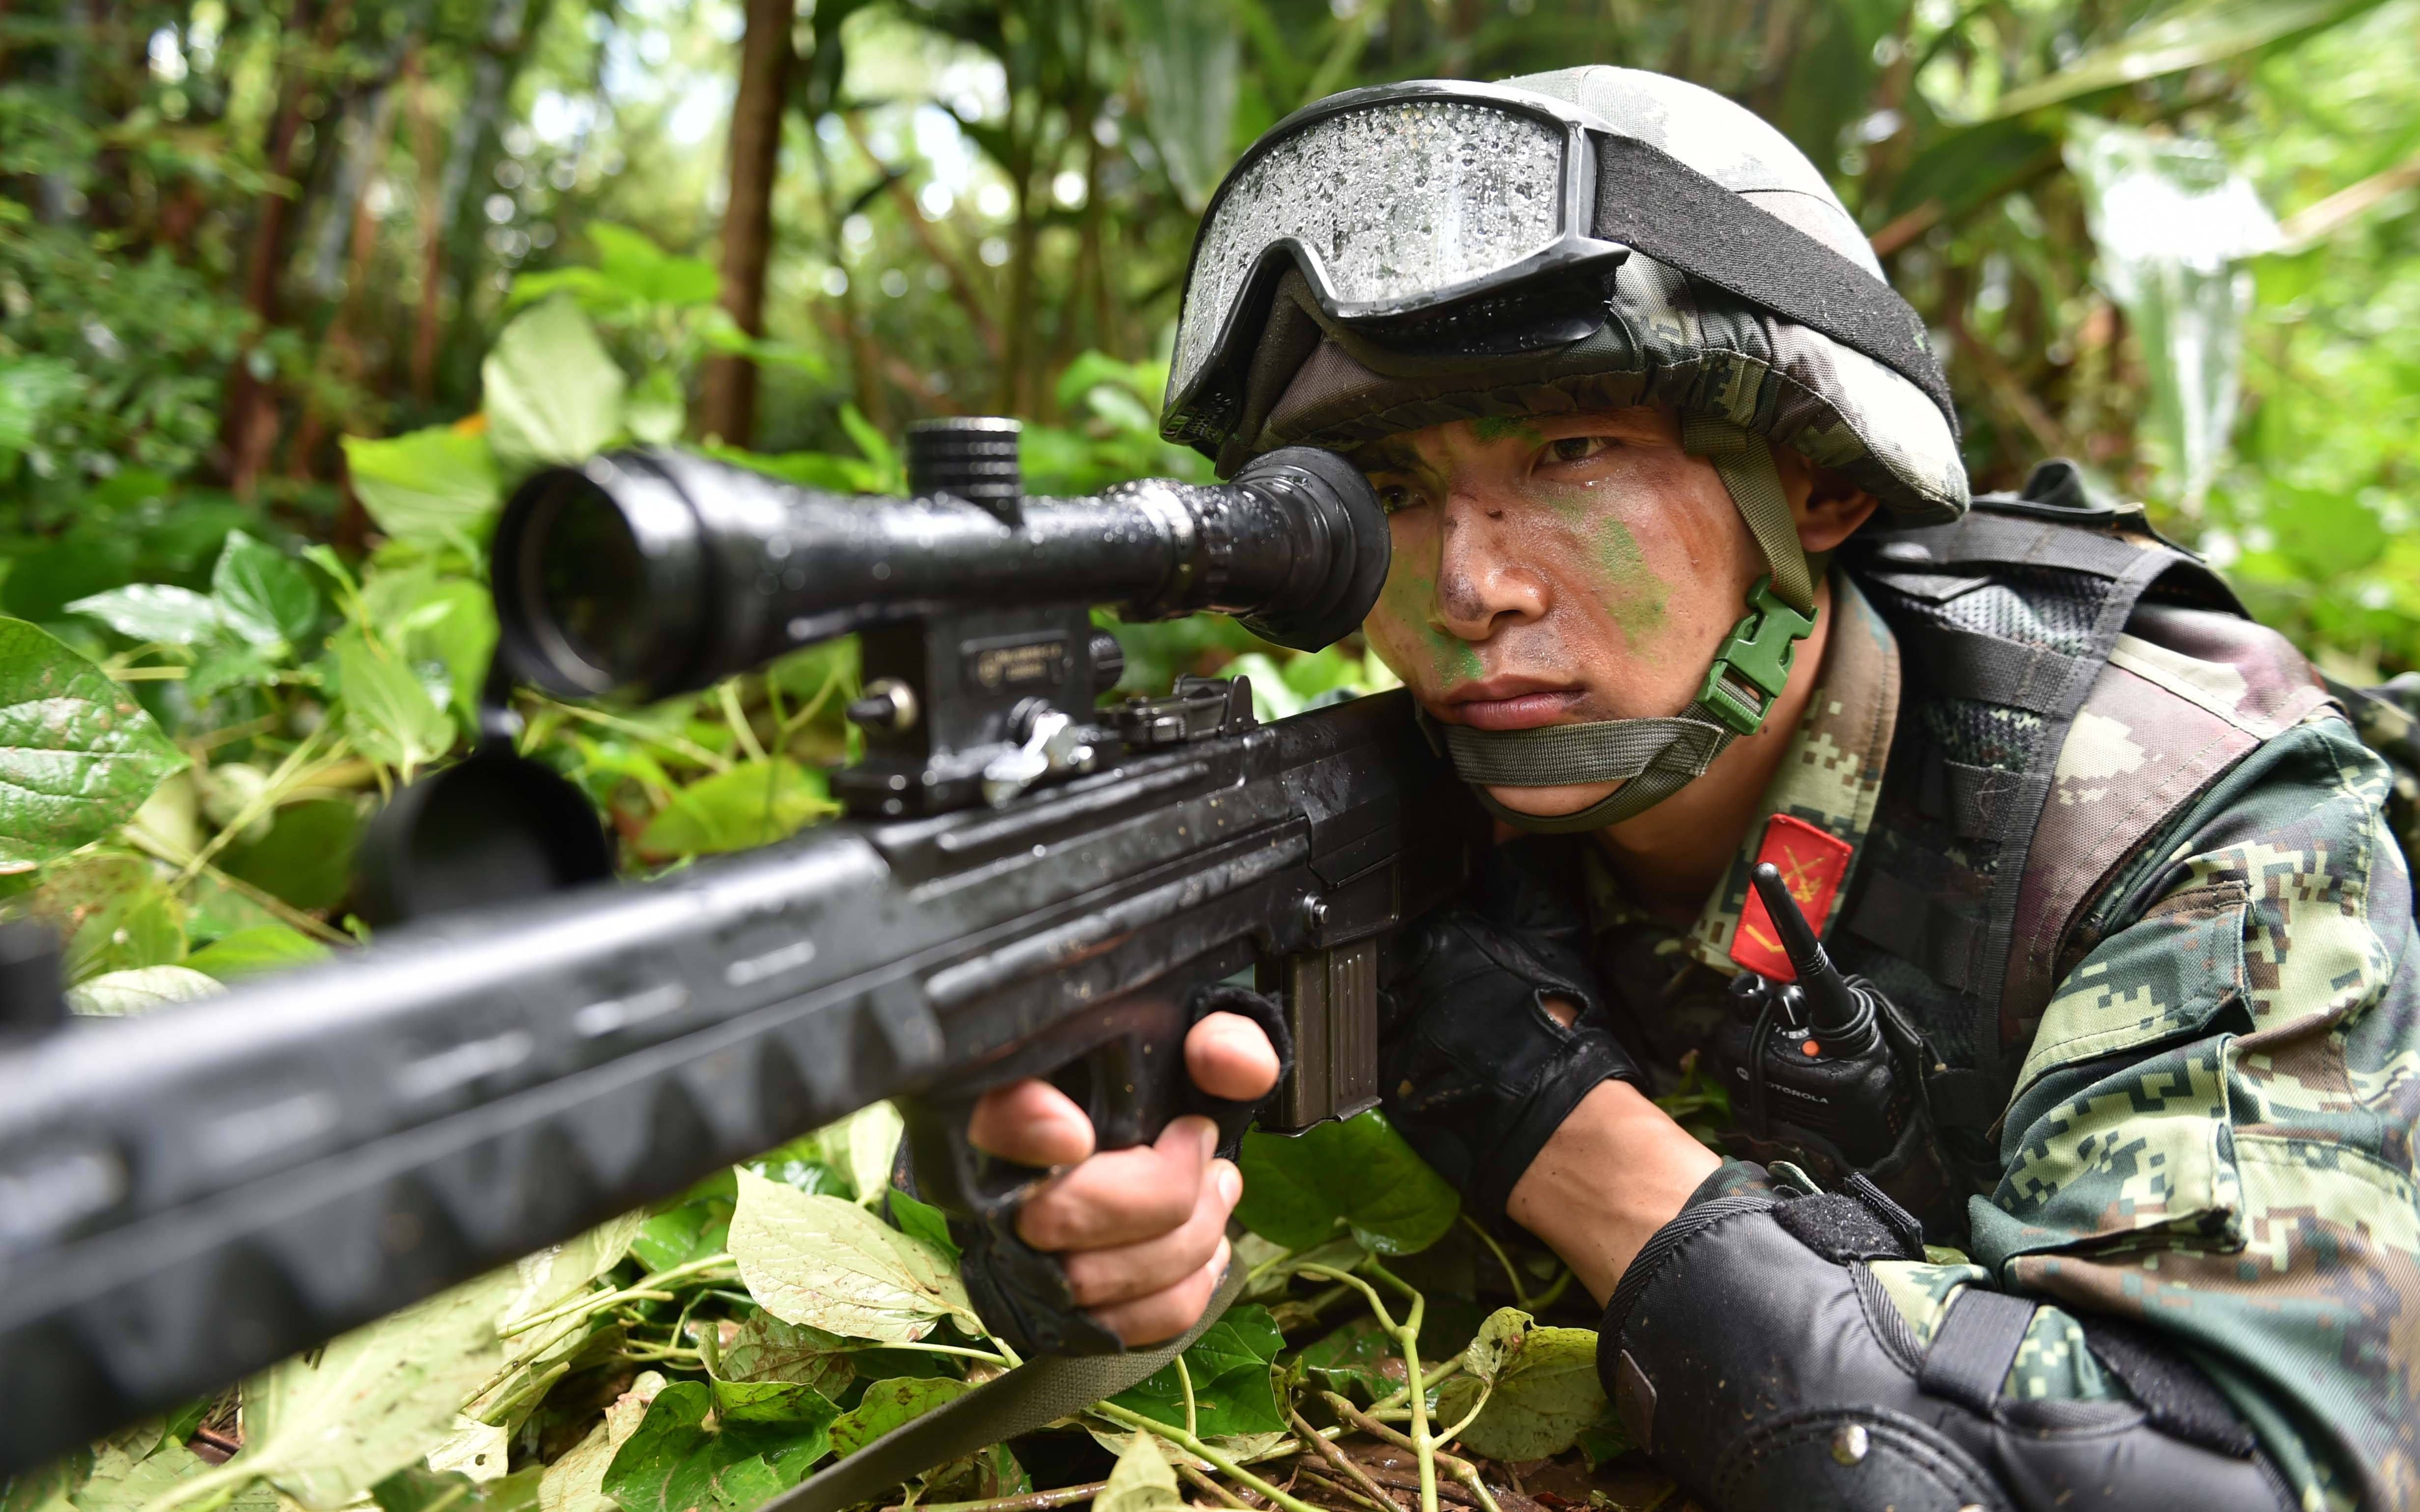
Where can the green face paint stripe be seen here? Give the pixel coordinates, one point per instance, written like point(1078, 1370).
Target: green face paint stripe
point(1638, 596)
point(1496, 427)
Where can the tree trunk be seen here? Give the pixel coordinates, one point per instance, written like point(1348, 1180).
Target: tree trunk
point(764, 57)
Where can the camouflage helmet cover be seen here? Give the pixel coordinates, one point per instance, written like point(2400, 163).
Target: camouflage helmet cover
point(1670, 337)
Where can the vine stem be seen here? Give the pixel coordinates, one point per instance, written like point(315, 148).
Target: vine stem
point(1406, 1335)
point(1217, 1459)
point(646, 1288)
point(1022, 1501)
point(1464, 1470)
point(1337, 1457)
point(1184, 1381)
point(1226, 1497)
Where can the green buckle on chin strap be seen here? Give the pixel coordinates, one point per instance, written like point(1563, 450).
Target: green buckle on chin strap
point(1755, 661)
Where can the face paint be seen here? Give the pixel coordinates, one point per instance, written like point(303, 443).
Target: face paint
point(1634, 594)
point(1496, 427)
point(1452, 659)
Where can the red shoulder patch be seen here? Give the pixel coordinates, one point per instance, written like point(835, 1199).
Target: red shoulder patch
point(1812, 864)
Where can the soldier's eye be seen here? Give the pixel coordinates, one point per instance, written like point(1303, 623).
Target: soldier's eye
point(1395, 495)
point(1578, 448)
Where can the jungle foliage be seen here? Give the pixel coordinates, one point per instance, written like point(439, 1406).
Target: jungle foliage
point(292, 294)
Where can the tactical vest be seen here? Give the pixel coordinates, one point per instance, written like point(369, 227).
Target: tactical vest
point(1974, 893)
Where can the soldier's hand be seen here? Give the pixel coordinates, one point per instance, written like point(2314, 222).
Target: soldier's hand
point(1142, 1231)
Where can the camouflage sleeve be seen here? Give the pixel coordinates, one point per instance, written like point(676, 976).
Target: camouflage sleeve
point(2212, 1133)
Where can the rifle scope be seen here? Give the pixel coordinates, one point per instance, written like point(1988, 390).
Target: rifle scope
point(654, 572)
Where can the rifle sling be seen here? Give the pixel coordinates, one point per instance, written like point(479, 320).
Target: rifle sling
point(1039, 1392)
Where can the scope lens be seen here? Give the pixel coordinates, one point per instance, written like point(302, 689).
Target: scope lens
point(589, 580)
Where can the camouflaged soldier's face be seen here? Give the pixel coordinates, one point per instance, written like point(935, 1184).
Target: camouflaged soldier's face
point(1557, 569)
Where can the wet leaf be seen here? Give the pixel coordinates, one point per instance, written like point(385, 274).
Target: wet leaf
point(264, 596)
point(125, 993)
point(1547, 1394)
point(77, 754)
point(154, 611)
point(550, 390)
point(1230, 1365)
point(1361, 1172)
point(831, 1264)
point(1140, 1481)
point(684, 1457)
point(326, 1427)
point(889, 1403)
point(248, 952)
point(431, 487)
point(754, 804)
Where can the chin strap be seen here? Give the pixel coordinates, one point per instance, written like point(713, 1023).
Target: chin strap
point(1653, 758)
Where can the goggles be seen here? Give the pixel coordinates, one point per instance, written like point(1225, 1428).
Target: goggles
point(1456, 219)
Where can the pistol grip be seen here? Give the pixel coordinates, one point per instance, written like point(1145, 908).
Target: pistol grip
point(1332, 1011)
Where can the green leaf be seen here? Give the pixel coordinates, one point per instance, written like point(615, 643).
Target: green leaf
point(656, 411)
point(575, 1482)
point(1186, 54)
point(433, 486)
point(113, 911)
point(1140, 1481)
point(1361, 1172)
point(831, 1264)
point(889, 1403)
point(325, 1426)
point(125, 994)
point(127, 1482)
point(420, 1489)
point(872, 1132)
point(306, 857)
point(2192, 35)
point(768, 1349)
point(636, 265)
point(890, 475)
point(154, 611)
point(686, 1458)
point(552, 393)
point(264, 596)
point(1359, 1355)
point(387, 714)
point(754, 804)
point(695, 1225)
point(922, 1220)
point(220, 668)
point(1230, 1365)
point(1497, 1343)
point(446, 628)
point(1547, 1393)
point(249, 951)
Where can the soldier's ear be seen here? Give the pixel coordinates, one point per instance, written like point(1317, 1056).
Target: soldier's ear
point(1826, 506)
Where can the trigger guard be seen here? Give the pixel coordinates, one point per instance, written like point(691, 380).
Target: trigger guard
point(1230, 1115)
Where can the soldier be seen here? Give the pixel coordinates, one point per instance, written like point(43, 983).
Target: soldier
point(1686, 581)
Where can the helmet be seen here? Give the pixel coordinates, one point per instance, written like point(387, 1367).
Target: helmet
point(1403, 256)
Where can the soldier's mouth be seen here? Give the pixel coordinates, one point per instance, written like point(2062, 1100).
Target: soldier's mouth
point(1510, 702)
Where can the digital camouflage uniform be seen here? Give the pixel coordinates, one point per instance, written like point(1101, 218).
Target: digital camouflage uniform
point(2213, 1126)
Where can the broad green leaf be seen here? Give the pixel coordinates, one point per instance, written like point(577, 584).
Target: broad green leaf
point(444, 627)
point(47, 1487)
point(388, 715)
point(687, 1459)
point(224, 666)
point(154, 611)
point(550, 1278)
point(249, 951)
point(126, 1482)
point(325, 1426)
point(1361, 1172)
point(832, 1265)
point(474, 1450)
point(575, 1482)
point(1230, 1365)
point(263, 595)
point(1186, 54)
point(125, 994)
point(30, 389)
point(77, 754)
point(2192, 35)
point(1498, 1342)
point(889, 1403)
point(922, 1220)
point(874, 1134)
point(754, 804)
point(1140, 1481)
point(693, 1228)
point(113, 911)
point(768, 1349)
point(550, 389)
point(889, 475)
point(306, 857)
point(418, 1488)
point(1359, 1359)
point(646, 272)
point(431, 485)
point(1547, 1394)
